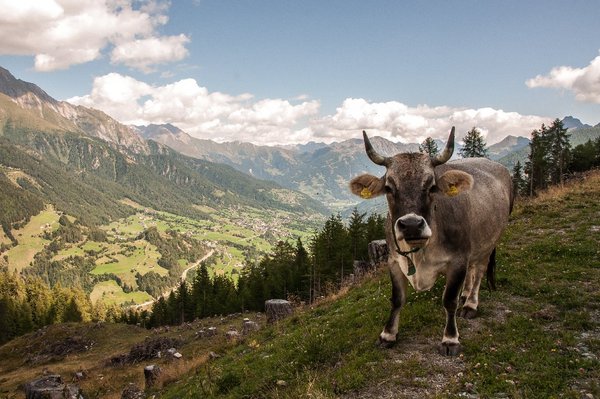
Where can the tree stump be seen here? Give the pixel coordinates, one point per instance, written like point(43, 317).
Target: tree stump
point(249, 326)
point(360, 267)
point(378, 252)
point(51, 387)
point(277, 309)
point(151, 374)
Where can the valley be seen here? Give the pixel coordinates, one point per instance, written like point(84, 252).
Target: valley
point(118, 256)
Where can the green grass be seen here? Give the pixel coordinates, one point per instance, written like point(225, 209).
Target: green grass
point(142, 258)
point(30, 238)
point(537, 336)
point(110, 293)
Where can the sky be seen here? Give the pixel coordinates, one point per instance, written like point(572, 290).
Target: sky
point(286, 72)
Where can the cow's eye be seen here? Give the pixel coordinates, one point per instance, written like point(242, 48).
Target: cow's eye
point(434, 189)
point(389, 189)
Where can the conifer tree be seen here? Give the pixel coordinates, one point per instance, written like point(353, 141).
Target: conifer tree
point(474, 145)
point(559, 151)
point(429, 146)
point(519, 182)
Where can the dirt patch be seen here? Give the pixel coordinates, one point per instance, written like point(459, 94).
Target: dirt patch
point(424, 373)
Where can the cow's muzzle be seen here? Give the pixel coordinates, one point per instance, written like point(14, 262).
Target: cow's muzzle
point(413, 229)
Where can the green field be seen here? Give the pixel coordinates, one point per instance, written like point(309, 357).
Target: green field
point(110, 293)
point(138, 257)
point(30, 238)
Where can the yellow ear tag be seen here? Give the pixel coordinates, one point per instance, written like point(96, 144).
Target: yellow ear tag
point(366, 193)
point(452, 191)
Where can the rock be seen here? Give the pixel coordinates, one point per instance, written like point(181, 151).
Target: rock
point(213, 355)
point(277, 309)
point(249, 326)
point(378, 252)
point(211, 331)
point(151, 374)
point(281, 383)
point(51, 387)
point(177, 355)
point(132, 391)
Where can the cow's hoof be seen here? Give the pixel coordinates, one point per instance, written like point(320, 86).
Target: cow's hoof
point(449, 349)
point(468, 313)
point(386, 340)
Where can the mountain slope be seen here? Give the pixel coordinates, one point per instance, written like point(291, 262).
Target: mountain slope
point(91, 149)
point(68, 117)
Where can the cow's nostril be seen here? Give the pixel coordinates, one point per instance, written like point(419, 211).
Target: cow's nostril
point(421, 223)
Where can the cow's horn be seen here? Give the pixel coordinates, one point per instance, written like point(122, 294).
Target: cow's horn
point(373, 155)
point(447, 153)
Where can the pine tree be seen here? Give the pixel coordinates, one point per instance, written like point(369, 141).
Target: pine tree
point(559, 151)
point(474, 145)
point(429, 146)
point(357, 232)
point(519, 182)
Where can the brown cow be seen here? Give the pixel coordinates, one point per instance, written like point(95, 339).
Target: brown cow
point(444, 218)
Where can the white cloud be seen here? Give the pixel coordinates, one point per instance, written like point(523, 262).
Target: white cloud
point(201, 113)
point(143, 53)
point(61, 33)
point(224, 117)
point(583, 82)
point(398, 122)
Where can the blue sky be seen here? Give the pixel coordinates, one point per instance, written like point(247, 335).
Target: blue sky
point(275, 72)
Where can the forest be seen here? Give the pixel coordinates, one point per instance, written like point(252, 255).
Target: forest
point(290, 271)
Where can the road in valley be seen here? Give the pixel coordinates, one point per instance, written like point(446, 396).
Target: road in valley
point(182, 278)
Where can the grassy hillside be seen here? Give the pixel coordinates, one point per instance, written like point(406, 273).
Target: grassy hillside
point(537, 336)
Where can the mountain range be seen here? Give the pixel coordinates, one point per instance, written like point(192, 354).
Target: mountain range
point(164, 167)
point(85, 162)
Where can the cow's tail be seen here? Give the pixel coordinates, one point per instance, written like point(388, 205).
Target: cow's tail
point(491, 271)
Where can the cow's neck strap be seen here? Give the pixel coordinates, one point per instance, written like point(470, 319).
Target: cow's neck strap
point(412, 269)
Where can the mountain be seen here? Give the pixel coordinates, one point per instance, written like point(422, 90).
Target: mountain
point(570, 122)
point(316, 169)
point(65, 116)
point(508, 145)
point(84, 162)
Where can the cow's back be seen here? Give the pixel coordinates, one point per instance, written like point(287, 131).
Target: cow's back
point(481, 212)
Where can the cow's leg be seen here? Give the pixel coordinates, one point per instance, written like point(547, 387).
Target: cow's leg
point(471, 298)
point(454, 281)
point(399, 288)
point(468, 286)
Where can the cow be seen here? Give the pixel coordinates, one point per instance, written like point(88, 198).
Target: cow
point(444, 218)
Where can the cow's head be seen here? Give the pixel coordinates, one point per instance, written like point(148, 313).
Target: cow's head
point(411, 186)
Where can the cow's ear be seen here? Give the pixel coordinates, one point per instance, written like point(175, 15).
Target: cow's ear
point(453, 182)
point(367, 186)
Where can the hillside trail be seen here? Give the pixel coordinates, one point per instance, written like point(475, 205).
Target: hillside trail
point(182, 278)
